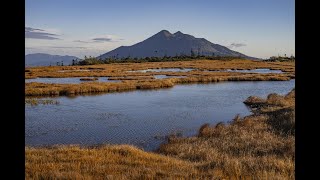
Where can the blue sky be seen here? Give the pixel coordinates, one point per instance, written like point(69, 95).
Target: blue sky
point(259, 28)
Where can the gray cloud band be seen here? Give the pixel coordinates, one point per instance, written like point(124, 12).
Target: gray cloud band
point(235, 45)
point(33, 33)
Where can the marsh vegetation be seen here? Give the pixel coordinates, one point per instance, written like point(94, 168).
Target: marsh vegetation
point(258, 146)
point(134, 75)
point(135, 117)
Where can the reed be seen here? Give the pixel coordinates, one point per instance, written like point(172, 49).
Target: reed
point(45, 89)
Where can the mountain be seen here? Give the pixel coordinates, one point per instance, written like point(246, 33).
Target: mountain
point(166, 44)
point(41, 59)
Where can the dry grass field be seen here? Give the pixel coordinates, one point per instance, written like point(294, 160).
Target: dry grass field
point(204, 71)
point(258, 146)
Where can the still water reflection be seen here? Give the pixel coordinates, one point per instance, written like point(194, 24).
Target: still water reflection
point(142, 118)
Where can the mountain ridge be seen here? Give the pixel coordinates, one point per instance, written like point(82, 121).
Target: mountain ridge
point(165, 43)
point(43, 59)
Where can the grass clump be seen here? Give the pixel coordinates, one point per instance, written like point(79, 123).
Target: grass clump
point(105, 162)
point(260, 146)
point(254, 101)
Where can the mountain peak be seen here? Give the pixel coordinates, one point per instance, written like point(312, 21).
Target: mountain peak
point(165, 32)
point(178, 33)
point(166, 44)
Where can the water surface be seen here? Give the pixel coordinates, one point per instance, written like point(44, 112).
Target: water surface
point(165, 76)
point(143, 117)
point(69, 80)
point(260, 71)
point(165, 70)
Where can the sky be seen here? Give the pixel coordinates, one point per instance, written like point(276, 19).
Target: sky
point(258, 28)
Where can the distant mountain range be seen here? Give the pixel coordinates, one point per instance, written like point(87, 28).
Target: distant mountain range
point(41, 59)
point(166, 44)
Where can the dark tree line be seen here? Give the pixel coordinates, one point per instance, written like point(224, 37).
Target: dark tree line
point(93, 60)
point(281, 58)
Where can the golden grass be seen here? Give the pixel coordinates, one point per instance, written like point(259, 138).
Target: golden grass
point(107, 162)
point(120, 69)
point(259, 146)
point(139, 80)
point(45, 89)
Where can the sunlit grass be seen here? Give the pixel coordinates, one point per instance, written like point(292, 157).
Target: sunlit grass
point(204, 72)
point(261, 145)
point(120, 69)
point(45, 89)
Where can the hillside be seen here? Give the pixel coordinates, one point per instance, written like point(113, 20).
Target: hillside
point(41, 59)
point(166, 44)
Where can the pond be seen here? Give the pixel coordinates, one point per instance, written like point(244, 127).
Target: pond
point(261, 71)
point(165, 70)
point(69, 80)
point(143, 117)
point(165, 76)
point(77, 70)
